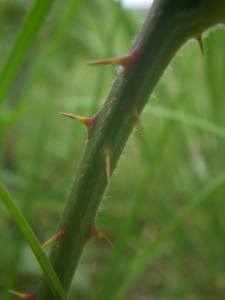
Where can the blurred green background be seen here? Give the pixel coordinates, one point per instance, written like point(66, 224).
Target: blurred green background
point(165, 207)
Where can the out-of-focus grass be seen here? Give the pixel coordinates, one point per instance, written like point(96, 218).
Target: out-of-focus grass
point(43, 261)
point(179, 159)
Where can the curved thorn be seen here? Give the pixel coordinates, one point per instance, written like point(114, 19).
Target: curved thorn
point(199, 39)
point(100, 235)
point(56, 237)
point(94, 232)
point(137, 120)
point(23, 296)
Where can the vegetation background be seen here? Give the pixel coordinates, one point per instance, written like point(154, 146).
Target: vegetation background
point(164, 209)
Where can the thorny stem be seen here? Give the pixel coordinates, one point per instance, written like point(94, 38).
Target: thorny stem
point(168, 26)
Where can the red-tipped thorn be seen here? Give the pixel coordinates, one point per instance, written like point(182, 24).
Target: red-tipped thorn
point(127, 61)
point(88, 122)
point(23, 296)
point(107, 164)
point(94, 232)
point(57, 237)
point(137, 120)
point(199, 39)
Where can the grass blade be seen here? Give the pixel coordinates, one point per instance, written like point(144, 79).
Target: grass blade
point(22, 45)
point(18, 217)
point(199, 122)
point(139, 263)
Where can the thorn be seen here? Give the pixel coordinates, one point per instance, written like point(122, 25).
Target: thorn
point(100, 235)
point(95, 232)
point(127, 61)
point(23, 296)
point(56, 237)
point(107, 164)
point(199, 39)
point(88, 122)
point(137, 120)
point(107, 61)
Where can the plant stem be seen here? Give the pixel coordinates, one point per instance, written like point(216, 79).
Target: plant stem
point(168, 26)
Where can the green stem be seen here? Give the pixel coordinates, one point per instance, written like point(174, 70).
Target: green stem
point(168, 26)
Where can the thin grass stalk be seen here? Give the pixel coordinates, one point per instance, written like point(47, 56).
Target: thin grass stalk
point(22, 44)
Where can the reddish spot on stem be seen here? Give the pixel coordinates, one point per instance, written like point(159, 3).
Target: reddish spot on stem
point(130, 61)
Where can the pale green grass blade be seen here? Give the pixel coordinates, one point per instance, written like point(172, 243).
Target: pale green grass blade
point(124, 230)
point(186, 285)
point(186, 118)
point(22, 45)
point(56, 41)
point(34, 244)
point(139, 263)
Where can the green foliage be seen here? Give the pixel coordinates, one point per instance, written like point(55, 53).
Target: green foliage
point(22, 44)
point(164, 208)
point(47, 268)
